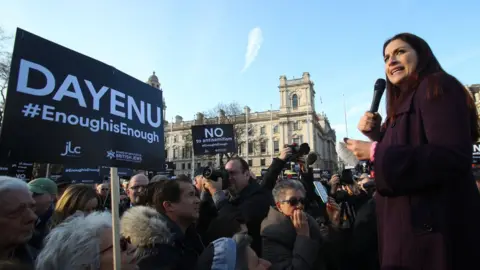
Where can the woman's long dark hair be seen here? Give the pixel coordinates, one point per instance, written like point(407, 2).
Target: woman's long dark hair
point(427, 65)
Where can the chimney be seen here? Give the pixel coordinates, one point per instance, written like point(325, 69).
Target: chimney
point(306, 77)
point(283, 80)
point(200, 119)
point(178, 119)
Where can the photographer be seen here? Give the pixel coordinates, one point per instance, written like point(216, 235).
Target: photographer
point(294, 153)
point(345, 189)
point(244, 196)
point(357, 220)
point(275, 169)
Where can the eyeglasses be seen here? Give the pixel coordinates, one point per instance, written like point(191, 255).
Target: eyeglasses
point(138, 188)
point(123, 246)
point(294, 201)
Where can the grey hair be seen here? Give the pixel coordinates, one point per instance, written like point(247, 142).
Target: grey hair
point(282, 186)
point(8, 183)
point(158, 178)
point(243, 241)
point(75, 243)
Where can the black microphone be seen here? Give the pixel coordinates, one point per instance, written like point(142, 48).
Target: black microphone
point(379, 88)
point(311, 158)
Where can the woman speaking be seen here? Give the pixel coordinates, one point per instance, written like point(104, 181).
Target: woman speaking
point(428, 207)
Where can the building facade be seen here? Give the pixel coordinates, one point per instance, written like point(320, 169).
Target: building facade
point(295, 121)
point(475, 90)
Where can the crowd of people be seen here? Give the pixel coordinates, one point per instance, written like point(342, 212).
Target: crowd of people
point(174, 224)
point(419, 212)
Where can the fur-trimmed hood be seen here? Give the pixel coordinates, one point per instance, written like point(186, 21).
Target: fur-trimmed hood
point(145, 227)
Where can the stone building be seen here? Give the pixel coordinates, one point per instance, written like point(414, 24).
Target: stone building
point(475, 90)
point(296, 121)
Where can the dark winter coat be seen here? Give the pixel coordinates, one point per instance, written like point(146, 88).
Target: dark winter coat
point(427, 202)
point(160, 242)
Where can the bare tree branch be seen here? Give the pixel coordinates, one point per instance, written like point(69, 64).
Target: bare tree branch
point(233, 114)
point(5, 60)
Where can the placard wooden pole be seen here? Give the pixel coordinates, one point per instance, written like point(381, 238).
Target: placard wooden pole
point(47, 173)
point(115, 195)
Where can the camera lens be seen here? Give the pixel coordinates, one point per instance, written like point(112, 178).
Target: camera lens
point(207, 172)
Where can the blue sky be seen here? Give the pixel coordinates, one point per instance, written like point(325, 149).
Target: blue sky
point(198, 48)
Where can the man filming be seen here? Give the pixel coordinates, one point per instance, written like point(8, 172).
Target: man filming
point(244, 196)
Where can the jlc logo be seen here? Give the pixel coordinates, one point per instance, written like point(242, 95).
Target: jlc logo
point(70, 150)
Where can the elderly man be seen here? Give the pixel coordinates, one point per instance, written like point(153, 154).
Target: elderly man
point(83, 242)
point(17, 220)
point(136, 188)
point(246, 198)
point(44, 192)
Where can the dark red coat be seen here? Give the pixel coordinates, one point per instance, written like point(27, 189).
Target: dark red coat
point(428, 206)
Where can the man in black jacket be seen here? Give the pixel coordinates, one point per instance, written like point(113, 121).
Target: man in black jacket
point(245, 197)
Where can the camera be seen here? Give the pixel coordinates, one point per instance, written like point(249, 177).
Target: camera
point(346, 177)
point(298, 150)
point(213, 174)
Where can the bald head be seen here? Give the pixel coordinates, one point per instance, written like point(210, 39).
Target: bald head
point(136, 187)
point(138, 179)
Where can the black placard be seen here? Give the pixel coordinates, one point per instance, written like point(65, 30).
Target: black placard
point(213, 139)
point(169, 169)
point(4, 169)
point(51, 115)
point(476, 154)
point(122, 172)
point(21, 170)
point(83, 175)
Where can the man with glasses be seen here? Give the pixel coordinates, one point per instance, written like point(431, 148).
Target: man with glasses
point(136, 187)
point(245, 198)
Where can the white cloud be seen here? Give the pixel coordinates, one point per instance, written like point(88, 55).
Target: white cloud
point(255, 40)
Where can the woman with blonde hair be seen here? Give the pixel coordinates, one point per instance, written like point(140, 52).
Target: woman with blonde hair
point(79, 197)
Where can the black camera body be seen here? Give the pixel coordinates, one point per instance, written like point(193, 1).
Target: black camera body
point(346, 177)
point(213, 174)
point(297, 151)
point(294, 148)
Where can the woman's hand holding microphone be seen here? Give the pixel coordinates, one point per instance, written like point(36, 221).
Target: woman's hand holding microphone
point(369, 125)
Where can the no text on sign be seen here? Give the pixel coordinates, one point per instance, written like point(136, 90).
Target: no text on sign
point(213, 139)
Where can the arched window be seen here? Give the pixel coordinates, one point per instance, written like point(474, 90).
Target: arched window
point(295, 101)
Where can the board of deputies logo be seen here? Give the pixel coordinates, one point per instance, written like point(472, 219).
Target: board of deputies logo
point(124, 156)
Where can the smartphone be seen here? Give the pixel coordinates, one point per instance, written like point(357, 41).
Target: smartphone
point(321, 191)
